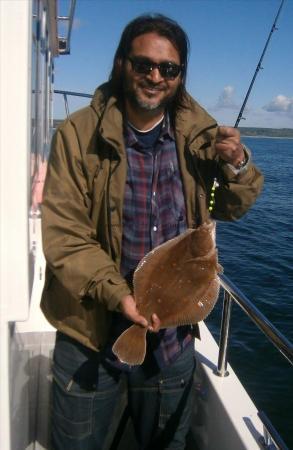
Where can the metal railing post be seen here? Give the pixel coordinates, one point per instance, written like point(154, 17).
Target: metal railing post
point(224, 334)
point(66, 105)
point(73, 94)
point(270, 331)
point(271, 438)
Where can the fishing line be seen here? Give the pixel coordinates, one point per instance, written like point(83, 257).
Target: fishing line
point(259, 66)
point(240, 115)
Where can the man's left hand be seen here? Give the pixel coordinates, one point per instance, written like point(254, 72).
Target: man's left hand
point(228, 145)
point(129, 309)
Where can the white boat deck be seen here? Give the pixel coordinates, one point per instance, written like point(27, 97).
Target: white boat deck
point(225, 417)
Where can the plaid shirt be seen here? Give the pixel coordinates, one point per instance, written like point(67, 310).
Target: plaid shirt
point(154, 212)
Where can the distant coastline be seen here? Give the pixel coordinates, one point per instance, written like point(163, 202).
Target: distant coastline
point(281, 133)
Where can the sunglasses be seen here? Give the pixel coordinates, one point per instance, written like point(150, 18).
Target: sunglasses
point(168, 70)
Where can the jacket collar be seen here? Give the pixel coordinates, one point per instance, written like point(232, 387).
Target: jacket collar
point(192, 119)
point(111, 119)
point(190, 122)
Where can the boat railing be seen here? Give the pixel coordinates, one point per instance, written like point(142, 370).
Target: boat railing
point(232, 293)
point(65, 95)
point(272, 439)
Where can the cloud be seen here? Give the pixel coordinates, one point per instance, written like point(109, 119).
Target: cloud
point(281, 103)
point(276, 114)
point(226, 98)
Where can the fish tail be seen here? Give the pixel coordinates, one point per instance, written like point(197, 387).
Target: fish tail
point(130, 347)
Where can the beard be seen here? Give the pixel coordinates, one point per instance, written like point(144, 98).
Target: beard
point(146, 106)
point(144, 103)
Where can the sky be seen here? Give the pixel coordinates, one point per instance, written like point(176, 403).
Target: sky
point(227, 38)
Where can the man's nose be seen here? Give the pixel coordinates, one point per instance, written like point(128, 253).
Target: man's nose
point(155, 75)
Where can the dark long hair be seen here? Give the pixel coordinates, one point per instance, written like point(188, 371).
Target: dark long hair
point(163, 26)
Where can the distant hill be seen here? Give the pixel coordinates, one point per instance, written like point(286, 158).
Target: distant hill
point(57, 122)
point(245, 131)
point(267, 132)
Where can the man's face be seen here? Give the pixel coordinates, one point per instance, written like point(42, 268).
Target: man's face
point(152, 91)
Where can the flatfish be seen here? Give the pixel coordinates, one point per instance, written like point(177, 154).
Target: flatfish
point(178, 281)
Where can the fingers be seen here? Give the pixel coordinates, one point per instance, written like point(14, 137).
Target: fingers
point(130, 311)
point(228, 138)
point(228, 144)
point(156, 324)
point(140, 320)
point(224, 132)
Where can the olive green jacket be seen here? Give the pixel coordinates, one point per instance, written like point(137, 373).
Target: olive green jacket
point(83, 205)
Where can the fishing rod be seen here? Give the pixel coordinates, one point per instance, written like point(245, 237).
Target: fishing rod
point(258, 67)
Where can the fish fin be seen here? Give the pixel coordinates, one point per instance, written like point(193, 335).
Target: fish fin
point(130, 347)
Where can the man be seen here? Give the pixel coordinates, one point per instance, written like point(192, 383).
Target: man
point(130, 171)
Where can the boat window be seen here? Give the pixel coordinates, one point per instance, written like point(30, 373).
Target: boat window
point(42, 77)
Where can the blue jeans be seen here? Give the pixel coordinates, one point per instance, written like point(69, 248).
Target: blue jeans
point(86, 391)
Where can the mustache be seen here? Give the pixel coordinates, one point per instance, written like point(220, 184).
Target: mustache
point(155, 86)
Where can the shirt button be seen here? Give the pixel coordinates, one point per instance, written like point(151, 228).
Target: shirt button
point(154, 194)
point(155, 228)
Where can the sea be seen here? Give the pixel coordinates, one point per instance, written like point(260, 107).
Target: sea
point(257, 255)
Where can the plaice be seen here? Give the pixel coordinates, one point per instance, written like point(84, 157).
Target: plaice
point(179, 282)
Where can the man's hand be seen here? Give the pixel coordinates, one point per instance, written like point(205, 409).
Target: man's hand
point(130, 311)
point(228, 145)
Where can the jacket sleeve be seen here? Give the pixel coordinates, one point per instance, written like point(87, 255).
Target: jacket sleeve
point(71, 249)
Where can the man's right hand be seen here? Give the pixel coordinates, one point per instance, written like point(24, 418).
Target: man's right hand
point(130, 311)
